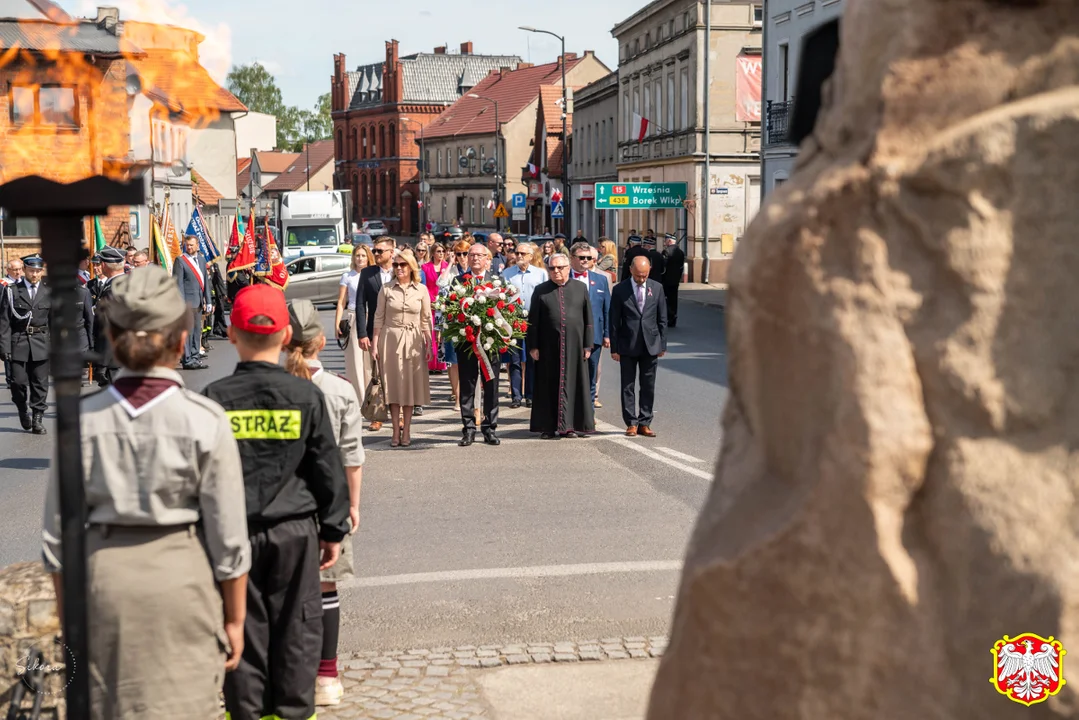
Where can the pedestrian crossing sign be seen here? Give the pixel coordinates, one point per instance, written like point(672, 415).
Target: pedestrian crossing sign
point(557, 210)
point(500, 211)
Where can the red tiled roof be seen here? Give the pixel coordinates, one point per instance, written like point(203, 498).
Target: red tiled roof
point(276, 161)
point(241, 164)
point(294, 177)
point(550, 115)
point(513, 91)
point(208, 194)
point(182, 83)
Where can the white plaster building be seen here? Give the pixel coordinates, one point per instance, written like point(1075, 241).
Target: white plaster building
point(593, 154)
point(786, 22)
point(661, 78)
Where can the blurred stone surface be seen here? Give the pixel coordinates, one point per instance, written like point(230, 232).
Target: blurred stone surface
point(898, 479)
point(28, 619)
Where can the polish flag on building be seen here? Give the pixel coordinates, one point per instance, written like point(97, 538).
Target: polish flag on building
point(533, 171)
point(640, 127)
point(556, 196)
point(490, 204)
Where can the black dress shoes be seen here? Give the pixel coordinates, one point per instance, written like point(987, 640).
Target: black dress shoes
point(38, 426)
point(197, 365)
point(24, 420)
point(490, 438)
point(467, 438)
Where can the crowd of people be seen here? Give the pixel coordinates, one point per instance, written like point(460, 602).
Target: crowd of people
point(222, 518)
point(392, 333)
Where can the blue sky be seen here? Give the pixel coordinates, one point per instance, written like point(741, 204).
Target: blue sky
point(296, 41)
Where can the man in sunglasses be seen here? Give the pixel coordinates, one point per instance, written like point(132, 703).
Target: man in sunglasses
point(495, 244)
point(370, 285)
point(599, 296)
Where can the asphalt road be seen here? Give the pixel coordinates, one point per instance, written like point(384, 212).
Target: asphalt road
point(535, 541)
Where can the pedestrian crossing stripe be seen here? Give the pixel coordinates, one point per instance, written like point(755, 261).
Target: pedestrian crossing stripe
point(265, 424)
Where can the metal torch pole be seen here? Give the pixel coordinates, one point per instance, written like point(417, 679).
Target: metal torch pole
point(566, 199)
point(60, 248)
point(706, 182)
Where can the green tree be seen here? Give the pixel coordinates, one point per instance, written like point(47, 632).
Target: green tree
point(318, 125)
point(257, 89)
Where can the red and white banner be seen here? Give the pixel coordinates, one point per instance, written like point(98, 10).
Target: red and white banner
point(640, 127)
point(747, 89)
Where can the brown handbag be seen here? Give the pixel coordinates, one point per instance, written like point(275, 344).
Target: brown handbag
point(374, 400)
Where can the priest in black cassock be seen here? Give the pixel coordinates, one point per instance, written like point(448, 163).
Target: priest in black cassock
point(560, 341)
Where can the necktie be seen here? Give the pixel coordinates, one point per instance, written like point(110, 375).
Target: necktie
point(33, 291)
point(640, 298)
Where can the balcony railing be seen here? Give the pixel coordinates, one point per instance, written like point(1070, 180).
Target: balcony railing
point(777, 116)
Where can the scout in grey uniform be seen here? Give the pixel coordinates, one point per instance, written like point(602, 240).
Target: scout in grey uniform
point(343, 407)
point(166, 516)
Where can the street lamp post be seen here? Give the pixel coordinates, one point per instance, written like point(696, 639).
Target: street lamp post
point(500, 181)
point(566, 217)
point(423, 169)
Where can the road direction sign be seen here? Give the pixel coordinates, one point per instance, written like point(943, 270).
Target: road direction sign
point(557, 210)
point(519, 201)
point(500, 211)
point(640, 196)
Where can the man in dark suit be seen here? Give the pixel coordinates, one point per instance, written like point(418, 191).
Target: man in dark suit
point(674, 264)
point(24, 339)
point(580, 260)
point(638, 340)
point(190, 272)
point(370, 285)
point(468, 366)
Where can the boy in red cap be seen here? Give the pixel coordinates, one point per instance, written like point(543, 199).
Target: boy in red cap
point(297, 511)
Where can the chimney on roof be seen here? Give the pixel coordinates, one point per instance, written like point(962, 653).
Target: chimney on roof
point(466, 48)
point(571, 56)
point(523, 65)
point(503, 70)
point(440, 50)
point(107, 17)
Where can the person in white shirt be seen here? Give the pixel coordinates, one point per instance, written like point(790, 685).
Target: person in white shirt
point(525, 277)
point(357, 362)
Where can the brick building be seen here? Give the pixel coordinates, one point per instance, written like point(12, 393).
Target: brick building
point(63, 115)
point(379, 111)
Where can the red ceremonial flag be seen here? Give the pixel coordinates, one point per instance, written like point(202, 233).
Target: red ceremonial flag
point(640, 127)
point(234, 237)
point(278, 275)
point(245, 258)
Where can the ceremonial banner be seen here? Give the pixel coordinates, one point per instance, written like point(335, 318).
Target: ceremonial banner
point(278, 275)
point(747, 88)
point(99, 236)
point(198, 228)
point(160, 250)
point(234, 237)
point(168, 231)
point(246, 257)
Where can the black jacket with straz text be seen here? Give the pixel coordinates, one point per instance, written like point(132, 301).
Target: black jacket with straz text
point(292, 467)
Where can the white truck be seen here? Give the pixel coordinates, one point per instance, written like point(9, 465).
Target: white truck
point(312, 222)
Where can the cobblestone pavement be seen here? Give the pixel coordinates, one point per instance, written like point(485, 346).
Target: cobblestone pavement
point(438, 684)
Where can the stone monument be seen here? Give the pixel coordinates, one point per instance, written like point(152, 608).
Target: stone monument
point(899, 472)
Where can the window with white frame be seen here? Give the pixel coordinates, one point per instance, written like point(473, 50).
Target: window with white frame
point(472, 211)
point(684, 99)
point(647, 111)
point(659, 106)
point(625, 114)
point(670, 102)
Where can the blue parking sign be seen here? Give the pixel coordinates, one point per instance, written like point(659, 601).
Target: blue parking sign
point(519, 200)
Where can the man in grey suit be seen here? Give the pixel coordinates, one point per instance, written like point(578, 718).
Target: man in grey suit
point(638, 328)
point(190, 272)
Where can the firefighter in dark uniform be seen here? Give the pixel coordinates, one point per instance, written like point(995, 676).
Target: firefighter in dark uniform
point(112, 267)
point(297, 511)
point(24, 340)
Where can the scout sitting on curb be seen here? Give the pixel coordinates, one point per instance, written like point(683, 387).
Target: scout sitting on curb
point(308, 340)
point(161, 529)
point(297, 507)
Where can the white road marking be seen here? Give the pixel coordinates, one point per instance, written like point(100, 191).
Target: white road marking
point(535, 571)
point(678, 455)
point(626, 442)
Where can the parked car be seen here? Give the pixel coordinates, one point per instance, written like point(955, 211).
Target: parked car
point(449, 234)
point(375, 228)
point(362, 239)
point(316, 277)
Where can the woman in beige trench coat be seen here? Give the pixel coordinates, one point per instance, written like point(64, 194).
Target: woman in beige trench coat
point(402, 344)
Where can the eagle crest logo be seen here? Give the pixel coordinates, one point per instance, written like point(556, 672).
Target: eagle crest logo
point(1028, 669)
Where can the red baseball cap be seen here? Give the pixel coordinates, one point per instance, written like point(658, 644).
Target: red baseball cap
point(255, 300)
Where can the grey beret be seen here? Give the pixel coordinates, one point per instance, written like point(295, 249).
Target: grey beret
point(306, 324)
point(147, 298)
point(112, 255)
